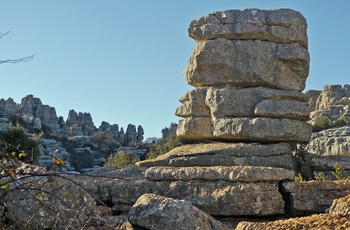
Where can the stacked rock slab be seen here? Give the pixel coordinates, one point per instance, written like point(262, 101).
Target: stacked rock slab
point(248, 69)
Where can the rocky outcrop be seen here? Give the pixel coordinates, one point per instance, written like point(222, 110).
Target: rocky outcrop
point(330, 107)
point(330, 142)
point(167, 131)
point(247, 80)
point(248, 91)
point(7, 108)
point(156, 212)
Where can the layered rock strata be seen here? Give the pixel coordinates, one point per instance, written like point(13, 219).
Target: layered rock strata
point(248, 69)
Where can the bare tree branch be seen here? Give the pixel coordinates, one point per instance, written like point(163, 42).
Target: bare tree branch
point(14, 61)
point(1, 35)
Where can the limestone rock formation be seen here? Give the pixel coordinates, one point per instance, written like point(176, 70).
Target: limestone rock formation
point(7, 108)
point(248, 69)
point(31, 109)
point(330, 107)
point(83, 120)
point(157, 212)
point(167, 131)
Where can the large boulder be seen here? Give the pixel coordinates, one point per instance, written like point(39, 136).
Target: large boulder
point(157, 212)
point(280, 25)
point(248, 63)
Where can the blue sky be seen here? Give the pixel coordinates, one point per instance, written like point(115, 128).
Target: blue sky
point(122, 61)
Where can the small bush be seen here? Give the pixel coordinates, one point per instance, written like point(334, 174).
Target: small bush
point(338, 172)
point(320, 124)
point(341, 121)
point(319, 176)
point(20, 143)
point(163, 146)
point(346, 101)
point(298, 178)
point(120, 159)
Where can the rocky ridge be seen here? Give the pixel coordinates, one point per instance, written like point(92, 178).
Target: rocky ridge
point(77, 130)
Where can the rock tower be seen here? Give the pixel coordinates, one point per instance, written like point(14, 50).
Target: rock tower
point(248, 69)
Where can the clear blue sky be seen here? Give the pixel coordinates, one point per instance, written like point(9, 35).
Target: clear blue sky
point(122, 61)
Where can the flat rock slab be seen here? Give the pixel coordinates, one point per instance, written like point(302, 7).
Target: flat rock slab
point(226, 154)
point(280, 25)
point(315, 196)
point(248, 63)
point(214, 173)
point(157, 212)
point(261, 129)
point(238, 198)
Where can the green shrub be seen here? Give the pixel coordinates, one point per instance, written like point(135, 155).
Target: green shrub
point(21, 146)
point(319, 176)
point(163, 146)
point(338, 172)
point(341, 121)
point(298, 178)
point(346, 101)
point(120, 159)
point(320, 124)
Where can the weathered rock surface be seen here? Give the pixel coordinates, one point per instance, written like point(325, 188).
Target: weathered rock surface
point(248, 64)
point(314, 222)
point(330, 142)
point(226, 154)
point(281, 25)
point(214, 173)
point(245, 129)
point(341, 206)
point(256, 102)
point(193, 104)
point(330, 107)
point(156, 212)
point(167, 131)
point(315, 196)
point(240, 198)
point(7, 107)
